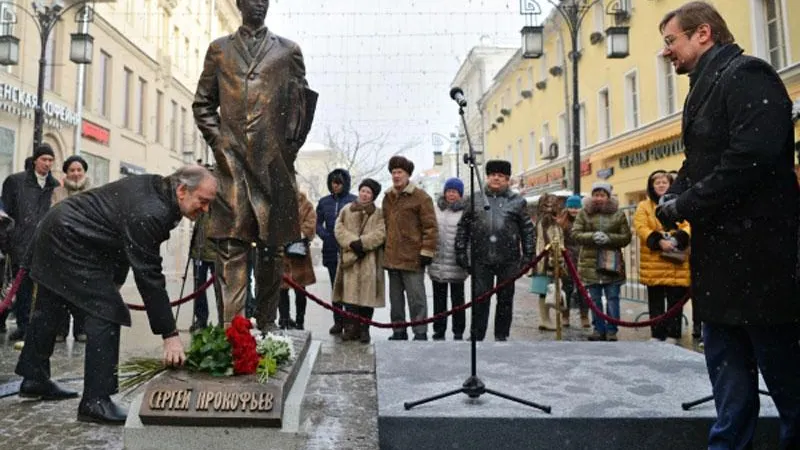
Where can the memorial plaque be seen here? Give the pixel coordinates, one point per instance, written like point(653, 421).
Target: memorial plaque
point(186, 398)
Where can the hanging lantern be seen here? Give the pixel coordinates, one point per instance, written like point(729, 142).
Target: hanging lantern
point(618, 42)
point(437, 158)
point(81, 47)
point(9, 50)
point(532, 41)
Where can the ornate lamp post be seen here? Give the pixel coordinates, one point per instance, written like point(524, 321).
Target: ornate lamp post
point(573, 12)
point(45, 17)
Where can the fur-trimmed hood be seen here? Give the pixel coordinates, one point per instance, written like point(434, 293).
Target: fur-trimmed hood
point(610, 207)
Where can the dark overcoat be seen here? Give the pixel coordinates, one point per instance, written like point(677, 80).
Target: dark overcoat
point(26, 202)
point(328, 210)
point(254, 111)
point(85, 245)
point(739, 192)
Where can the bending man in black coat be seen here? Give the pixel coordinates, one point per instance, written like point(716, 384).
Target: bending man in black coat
point(738, 190)
point(81, 255)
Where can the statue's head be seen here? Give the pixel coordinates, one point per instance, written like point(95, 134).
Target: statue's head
point(253, 11)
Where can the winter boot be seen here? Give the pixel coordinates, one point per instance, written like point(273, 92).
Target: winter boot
point(337, 327)
point(545, 324)
point(565, 318)
point(364, 334)
point(585, 322)
point(352, 330)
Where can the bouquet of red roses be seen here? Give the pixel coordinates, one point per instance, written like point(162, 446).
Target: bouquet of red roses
point(243, 346)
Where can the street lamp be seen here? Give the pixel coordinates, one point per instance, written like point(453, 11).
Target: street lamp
point(45, 17)
point(573, 12)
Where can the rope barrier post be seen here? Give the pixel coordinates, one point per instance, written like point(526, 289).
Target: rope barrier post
point(555, 253)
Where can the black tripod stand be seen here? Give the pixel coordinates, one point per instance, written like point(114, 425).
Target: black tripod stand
point(689, 405)
point(473, 386)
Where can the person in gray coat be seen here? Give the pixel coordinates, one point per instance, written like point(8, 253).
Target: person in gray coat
point(444, 271)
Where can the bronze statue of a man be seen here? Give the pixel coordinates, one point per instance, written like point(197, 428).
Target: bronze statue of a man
point(254, 109)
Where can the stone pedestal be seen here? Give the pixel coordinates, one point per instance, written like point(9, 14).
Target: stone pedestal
point(184, 410)
point(623, 395)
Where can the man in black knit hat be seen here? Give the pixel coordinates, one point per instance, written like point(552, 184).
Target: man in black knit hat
point(26, 198)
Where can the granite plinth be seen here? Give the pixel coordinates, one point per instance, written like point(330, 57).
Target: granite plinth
point(213, 432)
point(624, 395)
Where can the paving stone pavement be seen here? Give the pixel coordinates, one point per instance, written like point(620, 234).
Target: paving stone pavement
point(339, 408)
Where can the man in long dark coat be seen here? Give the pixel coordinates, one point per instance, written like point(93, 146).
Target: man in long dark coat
point(738, 190)
point(26, 197)
point(254, 110)
point(81, 255)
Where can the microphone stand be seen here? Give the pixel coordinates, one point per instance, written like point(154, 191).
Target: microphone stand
point(473, 387)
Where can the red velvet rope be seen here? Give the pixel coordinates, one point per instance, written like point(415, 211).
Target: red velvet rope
point(182, 300)
point(672, 312)
point(12, 292)
point(21, 273)
point(482, 298)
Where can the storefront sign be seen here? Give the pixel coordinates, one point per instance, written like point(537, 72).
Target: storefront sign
point(547, 177)
point(95, 132)
point(23, 103)
point(586, 168)
point(130, 169)
point(606, 173)
point(665, 150)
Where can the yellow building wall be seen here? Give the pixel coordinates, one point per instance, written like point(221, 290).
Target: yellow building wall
point(597, 72)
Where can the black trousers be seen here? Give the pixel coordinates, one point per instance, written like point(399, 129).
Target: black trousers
point(300, 301)
point(440, 306)
point(484, 282)
point(102, 346)
point(656, 296)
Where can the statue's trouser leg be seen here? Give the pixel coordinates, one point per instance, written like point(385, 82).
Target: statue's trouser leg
point(231, 282)
point(268, 273)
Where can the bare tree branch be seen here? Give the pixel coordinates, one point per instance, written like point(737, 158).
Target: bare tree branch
point(363, 155)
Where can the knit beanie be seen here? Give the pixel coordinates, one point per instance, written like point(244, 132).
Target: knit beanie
point(573, 201)
point(603, 186)
point(454, 183)
point(401, 162)
point(43, 149)
point(373, 186)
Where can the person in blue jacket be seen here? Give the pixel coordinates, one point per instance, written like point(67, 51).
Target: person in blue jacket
point(327, 210)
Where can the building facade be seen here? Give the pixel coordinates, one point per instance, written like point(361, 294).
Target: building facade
point(630, 109)
point(135, 115)
point(474, 77)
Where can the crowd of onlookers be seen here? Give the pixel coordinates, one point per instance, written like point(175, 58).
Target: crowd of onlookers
point(366, 246)
point(491, 237)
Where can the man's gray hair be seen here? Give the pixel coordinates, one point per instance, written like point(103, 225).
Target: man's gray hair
point(191, 176)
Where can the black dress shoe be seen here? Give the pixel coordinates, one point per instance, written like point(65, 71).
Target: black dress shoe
point(17, 335)
point(45, 390)
point(399, 337)
point(101, 410)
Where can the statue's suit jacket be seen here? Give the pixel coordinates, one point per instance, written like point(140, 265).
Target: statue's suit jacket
point(254, 111)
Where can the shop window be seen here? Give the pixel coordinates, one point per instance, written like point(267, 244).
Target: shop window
point(7, 146)
point(98, 168)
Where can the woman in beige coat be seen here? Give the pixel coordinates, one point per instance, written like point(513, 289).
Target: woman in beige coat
point(361, 233)
point(75, 181)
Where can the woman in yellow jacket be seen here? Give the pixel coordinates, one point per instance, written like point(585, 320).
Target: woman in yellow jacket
point(663, 262)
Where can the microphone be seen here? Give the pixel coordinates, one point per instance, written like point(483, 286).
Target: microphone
point(458, 95)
